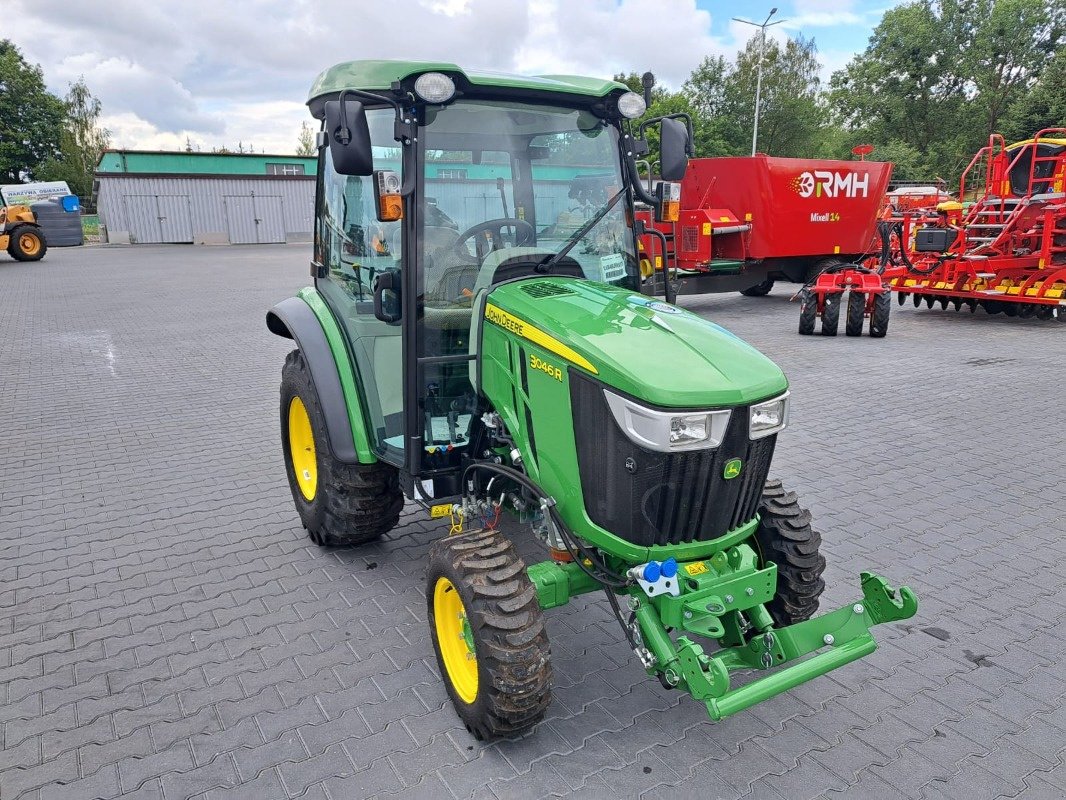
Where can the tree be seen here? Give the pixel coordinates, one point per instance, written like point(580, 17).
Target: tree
point(790, 116)
point(1044, 106)
point(81, 143)
point(306, 140)
point(30, 117)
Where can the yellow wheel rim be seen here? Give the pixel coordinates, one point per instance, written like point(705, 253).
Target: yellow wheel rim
point(30, 244)
point(455, 640)
point(302, 448)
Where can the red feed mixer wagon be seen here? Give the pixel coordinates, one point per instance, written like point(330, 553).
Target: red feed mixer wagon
point(747, 222)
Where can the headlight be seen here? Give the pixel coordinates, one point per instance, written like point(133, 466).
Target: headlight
point(668, 431)
point(434, 87)
point(769, 417)
point(631, 105)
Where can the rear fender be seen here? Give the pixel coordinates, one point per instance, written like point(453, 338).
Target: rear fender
point(307, 321)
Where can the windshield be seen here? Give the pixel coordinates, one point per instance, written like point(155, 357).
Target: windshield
point(510, 184)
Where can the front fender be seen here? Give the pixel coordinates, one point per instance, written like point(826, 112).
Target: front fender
point(306, 320)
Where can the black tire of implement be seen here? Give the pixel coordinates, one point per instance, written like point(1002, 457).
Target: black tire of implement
point(511, 643)
point(14, 245)
point(831, 315)
point(808, 312)
point(901, 297)
point(856, 313)
point(353, 503)
point(786, 538)
point(879, 316)
point(759, 289)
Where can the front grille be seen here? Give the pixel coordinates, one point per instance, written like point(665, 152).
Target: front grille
point(652, 498)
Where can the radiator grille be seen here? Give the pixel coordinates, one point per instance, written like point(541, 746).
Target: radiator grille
point(663, 498)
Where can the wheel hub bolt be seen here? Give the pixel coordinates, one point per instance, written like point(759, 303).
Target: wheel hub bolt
point(751, 592)
point(857, 608)
point(688, 615)
point(828, 638)
point(729, 598)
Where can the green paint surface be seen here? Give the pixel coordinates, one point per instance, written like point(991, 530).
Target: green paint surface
point(346, 370)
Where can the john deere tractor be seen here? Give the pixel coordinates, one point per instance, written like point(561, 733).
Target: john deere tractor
point(475, 340)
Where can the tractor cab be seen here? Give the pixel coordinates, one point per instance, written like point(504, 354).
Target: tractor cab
point(435, 185)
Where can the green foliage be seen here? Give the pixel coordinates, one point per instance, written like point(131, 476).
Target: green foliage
point(81, 144)
point(306, 140)
point(30, 118)
point(939, 76)
point(1044, 106)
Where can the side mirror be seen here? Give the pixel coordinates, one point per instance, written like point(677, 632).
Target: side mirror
point(349, 137)
point(673, 149)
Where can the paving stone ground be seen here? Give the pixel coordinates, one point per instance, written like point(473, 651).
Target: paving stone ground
point(166, 629)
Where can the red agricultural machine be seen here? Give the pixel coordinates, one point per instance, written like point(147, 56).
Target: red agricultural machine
point(1005, 251)
point(745, 223)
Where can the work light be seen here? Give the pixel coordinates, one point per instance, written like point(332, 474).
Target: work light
point(769, 417)
point(434, 87)
point(631, 105)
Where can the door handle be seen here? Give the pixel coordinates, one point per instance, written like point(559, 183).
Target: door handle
point(388, 281)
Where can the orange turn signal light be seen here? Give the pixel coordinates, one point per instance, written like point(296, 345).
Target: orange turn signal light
point(390, 203)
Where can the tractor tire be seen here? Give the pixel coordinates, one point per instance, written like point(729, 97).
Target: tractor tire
point(808, 312)
point(27, 243)
point(901, 297)
point(856, 313)
point(785, 537)
point(339, 504)
point(759, 289)
point(488, 634)
point(831, 315)
point(880, 314)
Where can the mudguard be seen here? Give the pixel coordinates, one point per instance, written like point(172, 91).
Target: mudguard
point(319, 338)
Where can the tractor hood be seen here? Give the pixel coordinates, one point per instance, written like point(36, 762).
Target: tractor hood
point(649, 349)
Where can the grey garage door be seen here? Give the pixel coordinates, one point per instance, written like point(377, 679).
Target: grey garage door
point(254, 219)
point(158, 218)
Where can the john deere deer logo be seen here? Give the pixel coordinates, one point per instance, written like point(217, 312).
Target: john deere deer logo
point(732, 469)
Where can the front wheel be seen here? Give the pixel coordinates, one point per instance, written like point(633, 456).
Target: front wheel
point(831, 314)
point(879, 316)
point(339, 504)
point(856, 313)
point(488, 634)
point(786, 538)
point(27, 243)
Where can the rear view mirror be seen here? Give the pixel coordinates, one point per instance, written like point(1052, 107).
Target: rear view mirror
point(349, 137)
point(673, 149)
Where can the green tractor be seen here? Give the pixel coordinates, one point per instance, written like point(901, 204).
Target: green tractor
point(476, 340)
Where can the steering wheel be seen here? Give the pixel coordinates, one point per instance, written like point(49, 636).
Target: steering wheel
point(524, 234)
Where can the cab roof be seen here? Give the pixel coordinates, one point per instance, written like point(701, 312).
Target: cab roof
point(379, 74)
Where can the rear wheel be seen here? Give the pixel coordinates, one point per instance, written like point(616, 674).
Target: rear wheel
point(808, 312)
point(856, 313)
point(488, 634)
point(786, 538)
point(339, 504)
point(759, 289)
point(27, 243)
point(880, 314)
point(831, 315)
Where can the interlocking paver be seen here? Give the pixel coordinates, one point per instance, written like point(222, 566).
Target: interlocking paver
point(177, 633)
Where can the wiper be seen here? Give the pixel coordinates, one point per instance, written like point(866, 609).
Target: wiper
point(579, 234)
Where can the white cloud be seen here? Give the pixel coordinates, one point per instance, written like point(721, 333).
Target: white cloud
point(222, 72)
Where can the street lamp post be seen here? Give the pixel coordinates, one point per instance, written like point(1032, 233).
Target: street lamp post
point(758, 81)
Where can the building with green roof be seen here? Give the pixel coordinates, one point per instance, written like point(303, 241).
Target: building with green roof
point(148, 196)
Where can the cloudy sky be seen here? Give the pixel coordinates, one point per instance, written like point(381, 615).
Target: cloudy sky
point(219, 72)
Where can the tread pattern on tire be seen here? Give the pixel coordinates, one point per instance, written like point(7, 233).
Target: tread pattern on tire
point(880, 315)
point(353, 503)
point(513, 654)
point(15, 251)
point(786, 538)
point(856, 313)
point(808, 313)
point(831, 315)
